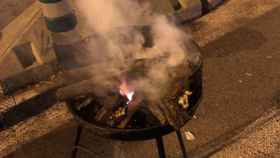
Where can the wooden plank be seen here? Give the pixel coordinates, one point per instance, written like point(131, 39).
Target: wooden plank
point(51, 75)
point(10, 66)
point(14, 31)
point(34, 128)
point(9, 102)
point(62, 79)
point(41, 42)
point(28, 77)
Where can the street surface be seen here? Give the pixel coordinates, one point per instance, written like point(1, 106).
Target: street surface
point(240, 42)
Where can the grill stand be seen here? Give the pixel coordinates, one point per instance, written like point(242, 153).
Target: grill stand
point(77, 141)
point(2, 125)
point(159, 140)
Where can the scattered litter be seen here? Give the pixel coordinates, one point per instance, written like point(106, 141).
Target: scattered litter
point(268, 57)
point(195, 117)
point(189, 136)
point(248, 74)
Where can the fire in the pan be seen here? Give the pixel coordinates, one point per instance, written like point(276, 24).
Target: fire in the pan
point(141, 65)
point(126, 90)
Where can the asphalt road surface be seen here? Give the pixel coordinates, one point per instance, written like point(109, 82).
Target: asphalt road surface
point(240, 43)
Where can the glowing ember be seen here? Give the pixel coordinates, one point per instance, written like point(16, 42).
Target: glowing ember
point(127, 91)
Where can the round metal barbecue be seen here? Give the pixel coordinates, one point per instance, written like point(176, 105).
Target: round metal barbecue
point(145, 133)
point(194, 81)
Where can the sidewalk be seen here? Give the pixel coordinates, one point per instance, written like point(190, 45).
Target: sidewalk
point(260, 140)
point(240, 43)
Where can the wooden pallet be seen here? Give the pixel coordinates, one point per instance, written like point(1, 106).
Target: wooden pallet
point(28, 28)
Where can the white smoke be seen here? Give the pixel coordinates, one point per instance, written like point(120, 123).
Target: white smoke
point(119, 44)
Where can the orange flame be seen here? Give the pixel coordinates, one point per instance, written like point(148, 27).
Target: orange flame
point(127, 91)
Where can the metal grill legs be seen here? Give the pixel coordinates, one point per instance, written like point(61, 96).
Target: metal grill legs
point(2, 125)
point(77, 146)
point(77, 141)
point(160, 145)
point(159, 140)
point(182, 144)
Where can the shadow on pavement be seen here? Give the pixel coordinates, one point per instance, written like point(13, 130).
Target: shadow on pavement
point(242, 39)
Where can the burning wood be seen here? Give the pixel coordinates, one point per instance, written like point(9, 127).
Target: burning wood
point(113, 108)
point(128, 117)
point(184, 100)
point(156, 111)
point(173, 101)
point(136, 85)
point(132, 106)
point(121, 117)
point(129, 103)
point(117, 105)
point(85, 103)
point(118, 110)
point(32, 91)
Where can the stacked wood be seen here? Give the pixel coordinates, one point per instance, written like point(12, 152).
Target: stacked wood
point(28, 77)
point(8, 102)
point(156, 111)
point(133, 106)
point(15, 31)
point(170, 106)
point(111, 105)
point(61, 79)
point(167, 108)
point(87, 88)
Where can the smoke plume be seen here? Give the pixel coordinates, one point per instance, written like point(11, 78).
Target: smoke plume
point(119, 44)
